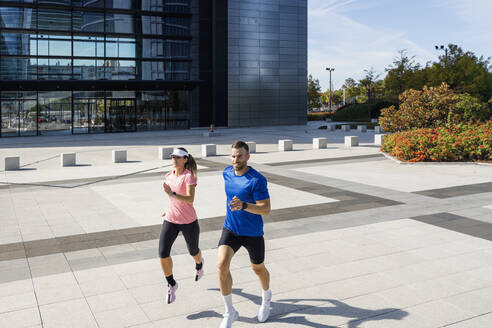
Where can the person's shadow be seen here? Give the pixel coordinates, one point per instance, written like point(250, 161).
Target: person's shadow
point(284, 307)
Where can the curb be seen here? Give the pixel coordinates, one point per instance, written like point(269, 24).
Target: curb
point(432, 163)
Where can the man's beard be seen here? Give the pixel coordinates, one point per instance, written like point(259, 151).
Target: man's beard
point(239, 167)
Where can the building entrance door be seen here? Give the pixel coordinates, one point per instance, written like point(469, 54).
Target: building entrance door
point(120, 115)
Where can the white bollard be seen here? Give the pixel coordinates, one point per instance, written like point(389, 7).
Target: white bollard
point(251, 146)
point(378, 139)
point(331, 127)
point(351, 141)
point(285, 145)
point(374, 120)
point(345, 128)
point(361, 128)
point(68, 159)
point(377, 129)
point(12, 163)
point(319, 143)
point(119, 156)
point(209, 150)
point(165, 152)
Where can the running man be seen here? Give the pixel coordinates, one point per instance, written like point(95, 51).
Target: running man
point(247, 200)
point(180, 186)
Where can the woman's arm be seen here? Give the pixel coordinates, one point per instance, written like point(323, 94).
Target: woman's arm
point(188, 198)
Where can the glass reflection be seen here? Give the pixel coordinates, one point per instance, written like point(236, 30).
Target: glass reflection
point(55, 112)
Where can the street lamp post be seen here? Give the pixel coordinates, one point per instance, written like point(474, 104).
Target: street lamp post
point(441, 47)
point(330, 69)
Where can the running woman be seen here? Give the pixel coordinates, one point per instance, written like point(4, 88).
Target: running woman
point(180, 186)
point(247, 200)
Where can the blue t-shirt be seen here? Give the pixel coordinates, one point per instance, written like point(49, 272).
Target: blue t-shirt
point(249, 188)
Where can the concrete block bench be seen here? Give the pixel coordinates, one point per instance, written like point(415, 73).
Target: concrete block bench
point(345, 128)
point(378, 139)
point(209, 150)
point(374, 120)
point(361, 128)
point(377, 129)
point(319, 143)
point(12, 163)
point(285, 145)
point(119, 156)
point(211, 134)
point(351, 141)
point(165, 152)
point(68, 159)
point(252, 146)
point(331, 127)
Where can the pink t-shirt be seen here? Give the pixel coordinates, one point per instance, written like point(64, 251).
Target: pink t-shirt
point(180, 212)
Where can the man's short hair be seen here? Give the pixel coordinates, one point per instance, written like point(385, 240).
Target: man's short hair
point(240, 144)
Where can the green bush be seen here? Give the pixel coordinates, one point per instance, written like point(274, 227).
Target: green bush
point(321, 116)
point(352, 112)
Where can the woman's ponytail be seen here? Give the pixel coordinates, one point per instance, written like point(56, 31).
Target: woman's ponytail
point(191, 164)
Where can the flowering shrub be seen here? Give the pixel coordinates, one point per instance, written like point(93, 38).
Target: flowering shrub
point(458, 142)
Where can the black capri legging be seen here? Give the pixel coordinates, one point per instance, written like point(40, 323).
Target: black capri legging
point(169, 233)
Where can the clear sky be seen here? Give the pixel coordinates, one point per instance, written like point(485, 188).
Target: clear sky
point(353, 35)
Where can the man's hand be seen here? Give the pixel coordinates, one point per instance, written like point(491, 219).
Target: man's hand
point(236, 204)
point(167, 189)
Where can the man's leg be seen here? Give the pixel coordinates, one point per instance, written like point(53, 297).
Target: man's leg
point(225, 255)
point(263, 275)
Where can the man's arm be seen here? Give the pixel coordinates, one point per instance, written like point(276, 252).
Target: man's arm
point(262, 207)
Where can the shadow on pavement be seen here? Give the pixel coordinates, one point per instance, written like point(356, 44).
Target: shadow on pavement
point(282, 308)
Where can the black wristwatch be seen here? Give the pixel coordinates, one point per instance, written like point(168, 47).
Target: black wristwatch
point(245, 206)
point(174, 194)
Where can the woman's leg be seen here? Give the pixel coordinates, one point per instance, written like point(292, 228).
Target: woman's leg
point(191, 233)
point(168, 236)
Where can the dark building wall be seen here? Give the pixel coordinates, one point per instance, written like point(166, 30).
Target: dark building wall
point(267, 62)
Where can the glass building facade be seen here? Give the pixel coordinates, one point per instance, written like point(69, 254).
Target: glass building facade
point(95, 66)
point(92, 66)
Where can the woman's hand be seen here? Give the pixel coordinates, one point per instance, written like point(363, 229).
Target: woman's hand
point(167, 189)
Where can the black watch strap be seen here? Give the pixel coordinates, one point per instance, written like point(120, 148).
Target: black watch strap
point(245, 206)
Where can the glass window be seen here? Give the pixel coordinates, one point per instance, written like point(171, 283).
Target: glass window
point(152, 25)
point(177, 25)
point(153, 5)
point(17, 44)
point(120, 69)
point(53, 45)
point(54, 69)
point(120, 48)
point(11, 17)
point(88, 46)
point(89, 3)
point(88, 21)
point(88, 111)
point(151, 106)
point(153, 48)
point(84, 69)
point(153, 70)
point(177, 48)
point(119, 23)
point(56, 2)
point(12, 68)
point(19, 113)
point(55, 112)
point(177, 70)
point(54, 20)
point(177, 6)
point(121, 4)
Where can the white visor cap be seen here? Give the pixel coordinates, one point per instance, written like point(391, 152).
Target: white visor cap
point(179, 152)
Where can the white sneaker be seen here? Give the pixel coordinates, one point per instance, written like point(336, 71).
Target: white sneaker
point(229, 318)
point(264, 311)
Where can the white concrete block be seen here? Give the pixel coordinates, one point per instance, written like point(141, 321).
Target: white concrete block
point(361, 128)
point(119, 156)
point(12, 163)
point(211, 134)
point(285, 145)
point(252, 146)
point(345, 128)
point(374, 120)
point(165, 152)
point(331, 127)
point(351, 141)
point(377, 129)
point(209, 150)
point(68, 159)
point(319, 143)
point(378, 139)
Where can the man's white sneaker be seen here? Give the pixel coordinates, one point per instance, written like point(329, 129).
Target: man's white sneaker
point(264, 311)
point(229, 318)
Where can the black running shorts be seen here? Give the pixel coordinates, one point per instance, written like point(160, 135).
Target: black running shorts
point(254, 245)
point(169, 233)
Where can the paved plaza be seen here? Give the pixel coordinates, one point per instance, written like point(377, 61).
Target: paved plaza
point(354, 239)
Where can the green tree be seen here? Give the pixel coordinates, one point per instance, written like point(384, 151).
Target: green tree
point(352, 90)
point(336, 97)
point(314, 93)
point(399, 75)
point(367, 84)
